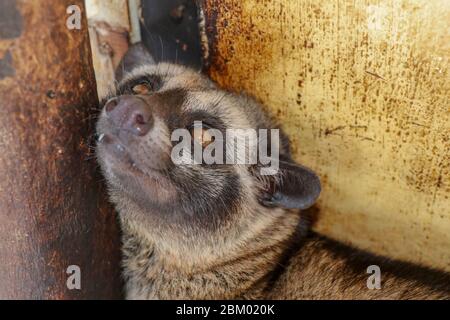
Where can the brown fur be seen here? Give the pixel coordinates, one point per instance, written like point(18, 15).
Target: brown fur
point(235, 248)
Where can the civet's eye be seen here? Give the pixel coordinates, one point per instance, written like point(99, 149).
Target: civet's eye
point(201, 135)
point(141, 88)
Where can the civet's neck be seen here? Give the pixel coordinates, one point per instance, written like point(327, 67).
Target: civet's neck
point(150, 273)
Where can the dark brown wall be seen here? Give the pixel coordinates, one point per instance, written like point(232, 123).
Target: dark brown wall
point(53, 211)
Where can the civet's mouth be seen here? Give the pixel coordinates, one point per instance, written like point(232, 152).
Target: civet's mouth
point(119, 156)
point(116, 152)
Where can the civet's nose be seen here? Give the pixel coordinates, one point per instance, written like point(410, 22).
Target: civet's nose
point(131, 114)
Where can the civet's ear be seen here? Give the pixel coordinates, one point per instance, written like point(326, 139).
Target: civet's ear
point(293, 187)
point(137, 55)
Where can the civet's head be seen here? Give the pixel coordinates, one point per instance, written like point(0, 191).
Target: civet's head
point(135, 150)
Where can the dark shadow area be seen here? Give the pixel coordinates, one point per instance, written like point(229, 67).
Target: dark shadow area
point(171, 32)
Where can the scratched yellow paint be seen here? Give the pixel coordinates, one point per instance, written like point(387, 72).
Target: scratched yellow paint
point(362, 88)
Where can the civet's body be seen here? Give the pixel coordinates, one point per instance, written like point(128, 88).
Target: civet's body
point(223, 231)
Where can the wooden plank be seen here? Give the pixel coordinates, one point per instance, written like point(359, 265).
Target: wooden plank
point(109, 30)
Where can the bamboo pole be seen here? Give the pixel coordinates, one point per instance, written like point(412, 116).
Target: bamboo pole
point(54, 217)
point(113, 25)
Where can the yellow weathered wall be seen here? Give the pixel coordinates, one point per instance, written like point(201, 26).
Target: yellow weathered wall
point(362, 87)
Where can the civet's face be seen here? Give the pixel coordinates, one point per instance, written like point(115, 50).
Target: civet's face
point(136, 151)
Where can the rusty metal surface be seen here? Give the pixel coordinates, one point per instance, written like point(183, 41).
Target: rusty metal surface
point(53, 211)
point(362, 88)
